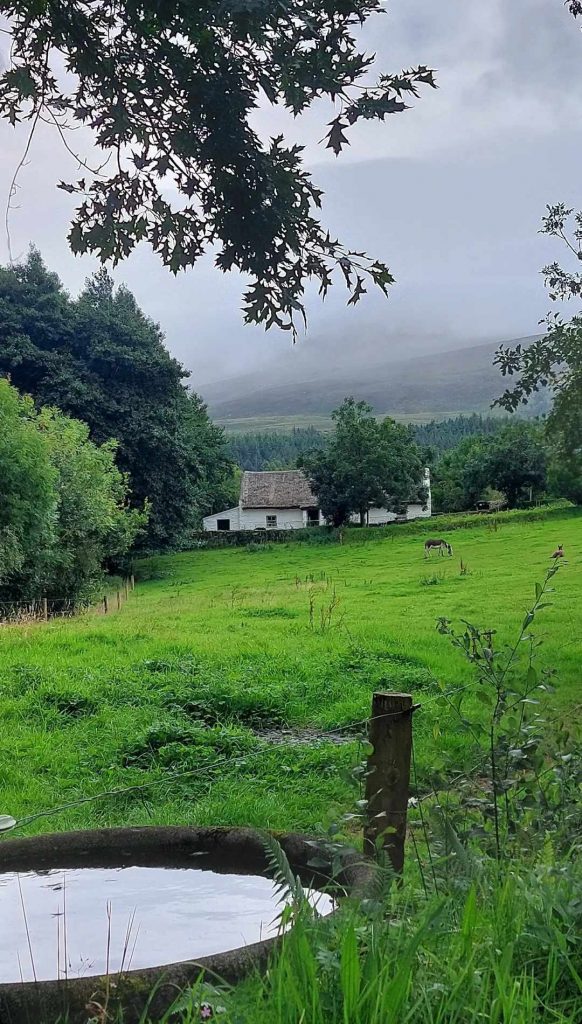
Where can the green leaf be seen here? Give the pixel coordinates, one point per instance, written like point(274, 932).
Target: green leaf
point(350, 974)
point(484, 697)
point(532, 676)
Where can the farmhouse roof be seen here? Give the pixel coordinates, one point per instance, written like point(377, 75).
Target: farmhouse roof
point(285, 489)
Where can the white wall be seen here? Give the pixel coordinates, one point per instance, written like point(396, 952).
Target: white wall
point(210, 522)
point(379, 516)
point(287, 518)
point(256, 519)
point(418, 512)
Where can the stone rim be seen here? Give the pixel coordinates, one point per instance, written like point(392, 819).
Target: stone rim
point(155, 988)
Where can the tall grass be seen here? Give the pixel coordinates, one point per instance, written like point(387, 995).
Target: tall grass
point(502, 950)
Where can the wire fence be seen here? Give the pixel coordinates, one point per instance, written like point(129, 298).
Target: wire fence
point(207, 769)
point(44, 608)
point(447, 785)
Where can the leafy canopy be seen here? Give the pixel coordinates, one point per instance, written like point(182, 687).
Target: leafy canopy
point(516, 461)
point(511, 461)
point(101, 360)
point(169, 88)
point(63, 509)
point(366, 464)
point(28, 497)
point(460, 477)
point(554, 361)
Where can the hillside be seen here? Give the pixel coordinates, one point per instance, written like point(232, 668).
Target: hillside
point(438, 384)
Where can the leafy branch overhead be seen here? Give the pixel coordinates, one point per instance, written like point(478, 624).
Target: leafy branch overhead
point(554, 361)
point(168, 90)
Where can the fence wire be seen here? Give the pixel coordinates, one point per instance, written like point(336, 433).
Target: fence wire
point(208, 768)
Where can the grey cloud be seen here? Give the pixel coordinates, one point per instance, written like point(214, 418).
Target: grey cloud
point(450, 194)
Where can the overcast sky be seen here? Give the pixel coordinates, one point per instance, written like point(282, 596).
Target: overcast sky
point(450, 194)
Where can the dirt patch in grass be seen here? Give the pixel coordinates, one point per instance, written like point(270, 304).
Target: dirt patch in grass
point(302, 737)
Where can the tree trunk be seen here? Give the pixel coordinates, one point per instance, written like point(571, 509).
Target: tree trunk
point(362, 517)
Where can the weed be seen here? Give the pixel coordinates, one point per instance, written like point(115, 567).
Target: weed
point(269, 613)
point(433, 580)
point(187, 666)
point(69, 705)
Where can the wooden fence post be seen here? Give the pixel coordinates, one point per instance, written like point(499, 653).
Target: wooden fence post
point(132, 581)
point(126, 589)
point(105, 606)
point(45, 609)
point(118, 600)
point(388, 779)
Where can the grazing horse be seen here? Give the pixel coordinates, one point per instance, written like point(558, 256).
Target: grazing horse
point(440, 545)
point(559, 552)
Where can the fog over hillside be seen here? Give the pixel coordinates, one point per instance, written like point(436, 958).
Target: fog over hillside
point(458, 380)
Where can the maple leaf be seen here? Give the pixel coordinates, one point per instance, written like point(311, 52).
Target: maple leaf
point(335, 137)
point(359, 290)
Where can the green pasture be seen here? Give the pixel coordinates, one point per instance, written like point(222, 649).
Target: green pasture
point(217, 652)
point(282, 424)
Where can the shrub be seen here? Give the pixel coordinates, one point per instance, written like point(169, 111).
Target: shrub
point(63, 509)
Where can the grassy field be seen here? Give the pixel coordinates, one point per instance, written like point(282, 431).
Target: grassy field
point(217, 651)
point(323, 422)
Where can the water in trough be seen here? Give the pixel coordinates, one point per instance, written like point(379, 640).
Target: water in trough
point(87, 921)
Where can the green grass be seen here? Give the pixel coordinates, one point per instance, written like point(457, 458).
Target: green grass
point(215, 645)
point(285, 424)
point(503, 951)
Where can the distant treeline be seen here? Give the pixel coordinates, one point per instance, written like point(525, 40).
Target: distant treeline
point(270, 450)
point(443, 435)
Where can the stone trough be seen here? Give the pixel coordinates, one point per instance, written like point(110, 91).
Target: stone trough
point(235, 857)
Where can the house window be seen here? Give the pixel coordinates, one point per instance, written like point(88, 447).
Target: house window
point(271, 522)
point(223, 524)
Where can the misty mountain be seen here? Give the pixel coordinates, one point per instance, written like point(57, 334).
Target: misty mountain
point(453, 381)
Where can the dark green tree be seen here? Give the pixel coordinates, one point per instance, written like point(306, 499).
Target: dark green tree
point(516, 462)
point(460, 476)
point(442, 435)
point(101, 360)
point(272, 450)
point(169, 89)
point(511, 461)
point(365, 464)
point(565, 474)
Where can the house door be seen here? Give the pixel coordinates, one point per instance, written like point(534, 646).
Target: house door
point(313, 517)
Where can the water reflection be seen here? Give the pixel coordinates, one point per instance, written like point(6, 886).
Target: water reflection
point(71, 923)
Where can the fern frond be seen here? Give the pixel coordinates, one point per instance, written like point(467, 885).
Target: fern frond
point(288, 886)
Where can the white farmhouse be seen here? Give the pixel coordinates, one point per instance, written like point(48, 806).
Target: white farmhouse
point(284, 501)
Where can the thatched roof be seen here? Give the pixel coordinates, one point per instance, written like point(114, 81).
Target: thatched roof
point(285, 489)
